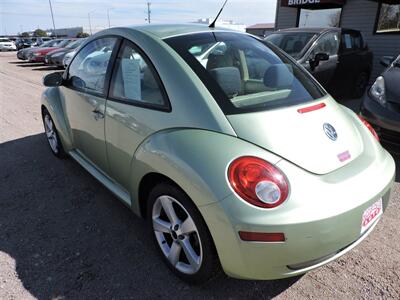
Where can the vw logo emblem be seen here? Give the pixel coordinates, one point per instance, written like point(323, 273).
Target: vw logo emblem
point(330, 131)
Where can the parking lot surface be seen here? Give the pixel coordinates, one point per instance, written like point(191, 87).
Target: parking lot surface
point(63, 235)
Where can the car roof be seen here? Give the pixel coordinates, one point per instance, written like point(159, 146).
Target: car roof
point(311, 29)
point(163, 31)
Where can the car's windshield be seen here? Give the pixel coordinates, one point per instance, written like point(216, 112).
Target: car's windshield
point(47, 44)
point(292, 43)
point(244, 74)
point(64, 43)
point(75, 44)
point(51, 43)
point(5, 40)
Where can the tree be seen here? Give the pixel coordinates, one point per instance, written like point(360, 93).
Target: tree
point(39, 32)
point(82, 35)
point(24, 34)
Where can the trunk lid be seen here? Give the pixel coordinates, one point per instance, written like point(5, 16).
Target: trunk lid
point(302, 138)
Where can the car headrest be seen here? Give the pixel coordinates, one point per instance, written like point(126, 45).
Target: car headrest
point(228, 79)
point(279, 76)
point(148, 78)
point(219, 60)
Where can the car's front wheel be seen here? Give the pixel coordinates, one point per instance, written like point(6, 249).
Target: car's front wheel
point(52, 135)
point(181, 234)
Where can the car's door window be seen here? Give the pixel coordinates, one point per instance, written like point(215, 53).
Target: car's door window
point(87, 72)
point(328, 43)
point(357, 40)
point(135, 80)
point(351, 41)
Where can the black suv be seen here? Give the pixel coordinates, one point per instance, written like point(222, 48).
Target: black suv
point(338, 58)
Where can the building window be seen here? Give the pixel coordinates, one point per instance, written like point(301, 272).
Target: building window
point(320, 17)
point(388, 19)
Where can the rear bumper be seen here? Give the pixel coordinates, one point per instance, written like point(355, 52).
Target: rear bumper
point(320, 222)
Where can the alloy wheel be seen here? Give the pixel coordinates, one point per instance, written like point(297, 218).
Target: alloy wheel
point(51, 133)
point(177, 235)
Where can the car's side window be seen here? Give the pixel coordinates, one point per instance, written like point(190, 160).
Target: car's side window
point(328, 43)
point(134, 79)
point(357, 40)
point(87, 72)
point(351, 41)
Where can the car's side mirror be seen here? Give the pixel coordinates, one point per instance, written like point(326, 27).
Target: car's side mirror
point(386, 61)
point(321, 56)
point(314, 62)
point(53, 79)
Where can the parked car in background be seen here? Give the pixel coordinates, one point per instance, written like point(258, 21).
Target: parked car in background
point(262, 173)
point(7, 45)
point(70, 56)
point(25, 52)
point(24, 43)
point(337, 57)
point(38, 54)
point(381, 105)
point(41, 40)
point(56, 57)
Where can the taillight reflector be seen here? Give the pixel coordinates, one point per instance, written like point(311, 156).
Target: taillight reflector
point(271, 237)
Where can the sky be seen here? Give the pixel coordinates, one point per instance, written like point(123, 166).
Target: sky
point(25, 15)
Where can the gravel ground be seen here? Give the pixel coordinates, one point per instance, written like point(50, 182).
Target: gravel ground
point(63, 235)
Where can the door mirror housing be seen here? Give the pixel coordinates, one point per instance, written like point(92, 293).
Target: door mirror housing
point(314, 62)
point(386, 61)
point(321, 56)
point(53, 79)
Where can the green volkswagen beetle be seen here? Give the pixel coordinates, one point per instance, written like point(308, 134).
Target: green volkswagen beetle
point(234, 154)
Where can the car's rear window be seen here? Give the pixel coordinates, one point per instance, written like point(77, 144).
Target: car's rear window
point(243, 73)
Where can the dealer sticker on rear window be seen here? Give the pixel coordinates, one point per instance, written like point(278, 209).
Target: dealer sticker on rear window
point(371, 214)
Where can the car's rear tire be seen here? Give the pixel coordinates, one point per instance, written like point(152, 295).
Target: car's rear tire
point(360, 84)
point(52, 136)
point(181, 235)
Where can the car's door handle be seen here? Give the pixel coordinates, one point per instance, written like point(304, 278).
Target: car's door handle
point(97, 114)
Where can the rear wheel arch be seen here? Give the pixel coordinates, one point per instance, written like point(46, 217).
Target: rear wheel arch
point(147, 183)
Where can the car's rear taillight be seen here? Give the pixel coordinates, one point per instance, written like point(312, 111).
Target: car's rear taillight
point(258, 182)
point(370, 128)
